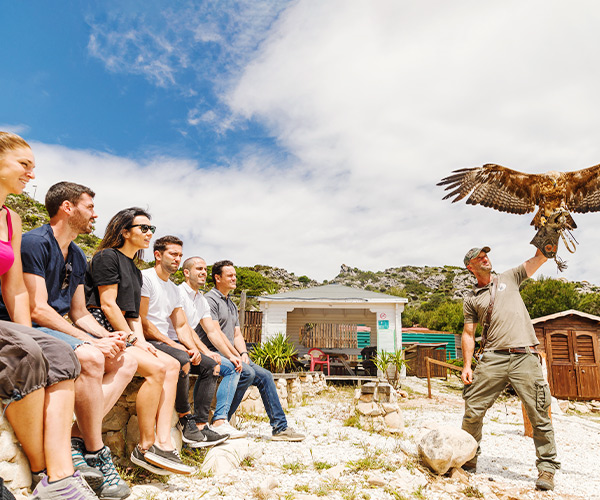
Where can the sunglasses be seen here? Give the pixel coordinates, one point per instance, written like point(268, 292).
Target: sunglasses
point(144, 228)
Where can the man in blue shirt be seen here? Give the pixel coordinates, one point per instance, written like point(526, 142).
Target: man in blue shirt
point(54, 269)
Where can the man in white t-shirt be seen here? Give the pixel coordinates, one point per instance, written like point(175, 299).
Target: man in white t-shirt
point(197, 311)
point(166, 327)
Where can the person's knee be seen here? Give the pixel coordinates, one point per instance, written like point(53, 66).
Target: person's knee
point(91, 360)
point(217, 370)
point(124, 366)
point(185, 369)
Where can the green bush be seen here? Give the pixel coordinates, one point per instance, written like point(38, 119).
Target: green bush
point(276, 354)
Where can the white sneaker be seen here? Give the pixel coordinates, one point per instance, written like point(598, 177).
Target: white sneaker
point(227, 428)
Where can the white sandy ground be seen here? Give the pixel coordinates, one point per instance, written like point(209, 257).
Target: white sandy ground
point(506, 467)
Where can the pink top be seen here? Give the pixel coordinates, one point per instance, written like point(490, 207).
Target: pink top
point(7, 255)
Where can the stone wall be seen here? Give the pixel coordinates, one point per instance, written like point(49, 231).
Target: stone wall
point(120, 428)
point(377, 407)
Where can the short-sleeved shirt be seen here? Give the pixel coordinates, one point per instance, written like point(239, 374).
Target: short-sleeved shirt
point(112, 267)
point(195, 305)
point(163, 298)
point(510, 325)
point(225, 312)
point(42, 256)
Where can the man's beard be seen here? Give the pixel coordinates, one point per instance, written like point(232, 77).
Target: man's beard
point(80, 224)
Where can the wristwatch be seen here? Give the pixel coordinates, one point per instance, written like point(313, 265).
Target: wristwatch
point(131, 338)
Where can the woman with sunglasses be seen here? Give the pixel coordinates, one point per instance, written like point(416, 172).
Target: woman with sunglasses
point(113, 293)
point(37, 371)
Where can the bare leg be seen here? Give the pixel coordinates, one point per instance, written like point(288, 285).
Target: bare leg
point(118, 372)
point(26, 417)
point(89, 399)
point(58, 415)
point(167, 401)
point(148, 398)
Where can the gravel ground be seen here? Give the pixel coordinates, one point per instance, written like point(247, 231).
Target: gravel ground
point(370, 465)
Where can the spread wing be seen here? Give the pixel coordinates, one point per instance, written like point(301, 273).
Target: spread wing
point(583, 190)
point(496, 187)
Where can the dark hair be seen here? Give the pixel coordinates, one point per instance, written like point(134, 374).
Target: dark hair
point(113, 236)
point(217, 268)
point(64, 191)
point(160, 244)
point(189, 262)
point(10, 141)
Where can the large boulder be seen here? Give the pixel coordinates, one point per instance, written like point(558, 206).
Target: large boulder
point(444, 447)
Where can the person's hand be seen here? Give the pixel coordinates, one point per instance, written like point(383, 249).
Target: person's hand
point(467, 375)
point(109, 346)
point(546, 239)
point(146, 346)
point(246, 358)
point(215, 356)
point(195, 356)
point(237, 363)
point(119, 334)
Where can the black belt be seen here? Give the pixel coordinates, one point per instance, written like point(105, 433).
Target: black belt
point(517, 350)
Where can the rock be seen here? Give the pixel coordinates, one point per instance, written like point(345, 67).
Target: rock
point(8, 447)
point(116, 442)
point(132, 437)
point(581, 408)
point(16, 474)
point(394, 421)
point(459, 475)
point(408, 481)
point(446, 447)
point(402, 393)
point(228, 456)
point(376, 480)
point(366, 398)
point(116, 419)
point(563, 404)
point(389, 407)
point(336, 471)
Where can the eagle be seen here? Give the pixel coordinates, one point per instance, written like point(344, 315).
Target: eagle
point(515, 192)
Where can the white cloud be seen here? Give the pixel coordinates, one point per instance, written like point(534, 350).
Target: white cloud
point(374, 102)
point(17, 128)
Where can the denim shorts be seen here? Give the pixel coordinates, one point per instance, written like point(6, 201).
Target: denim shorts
point(74, 342)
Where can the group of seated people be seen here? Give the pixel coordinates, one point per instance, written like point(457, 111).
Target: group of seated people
point(97, 324)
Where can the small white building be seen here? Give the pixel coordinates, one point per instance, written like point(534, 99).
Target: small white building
point(337, 304)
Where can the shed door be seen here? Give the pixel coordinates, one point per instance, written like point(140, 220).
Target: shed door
point(586, 364)
point(574, 364)
point(561, 358)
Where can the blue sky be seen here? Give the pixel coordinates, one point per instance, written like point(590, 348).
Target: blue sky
point(308, 134)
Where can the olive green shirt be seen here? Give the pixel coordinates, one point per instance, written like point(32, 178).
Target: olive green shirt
point(510, 325)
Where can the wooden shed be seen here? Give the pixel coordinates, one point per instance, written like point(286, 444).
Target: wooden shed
point(570, 341)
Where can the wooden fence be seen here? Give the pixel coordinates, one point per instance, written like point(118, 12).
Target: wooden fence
point(328, 335)
point(252, 326)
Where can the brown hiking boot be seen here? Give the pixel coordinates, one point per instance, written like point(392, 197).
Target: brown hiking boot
point(545, 481)
point(470, 466)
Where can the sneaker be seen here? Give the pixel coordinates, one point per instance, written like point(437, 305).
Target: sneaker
point(36, 478)
point(211, 438)
point(189, 431)
point(545, 481)
point(69, 488)
point(93, 476)
point(288, 435)
point(470, 466)
point(167, 459)
point(137, 457)
point(113, 487)
point(227, 429)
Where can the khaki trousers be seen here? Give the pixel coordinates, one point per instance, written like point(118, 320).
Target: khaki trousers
point(524, 373)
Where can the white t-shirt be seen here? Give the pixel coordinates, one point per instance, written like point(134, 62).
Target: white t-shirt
point(195, 305)
point(163, 298)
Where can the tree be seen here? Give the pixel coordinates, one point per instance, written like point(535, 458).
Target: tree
point(590, 303)
point(548, 296)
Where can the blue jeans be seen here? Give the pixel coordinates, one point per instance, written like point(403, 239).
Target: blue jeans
point(226, 389)
point(253, 374)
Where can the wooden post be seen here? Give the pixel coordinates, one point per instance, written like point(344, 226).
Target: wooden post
point(427, 358)
point(242, 311)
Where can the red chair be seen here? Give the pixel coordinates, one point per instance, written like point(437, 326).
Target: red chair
point(318, 357)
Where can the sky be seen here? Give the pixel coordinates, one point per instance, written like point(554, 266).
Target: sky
point(308, 134)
